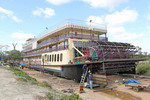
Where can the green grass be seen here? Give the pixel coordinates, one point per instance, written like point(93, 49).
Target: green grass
point(148, 72)
point(143, 68)
point(23, 76)
point(5, 64)
point(51, 96)
point(73, 96)
point(44, 84)
point(148, 59)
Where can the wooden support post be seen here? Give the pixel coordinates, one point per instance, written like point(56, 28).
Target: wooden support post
point(81, 33)
point(105, 37)
point(98, 36)
point(104, 67)
point(43, 64)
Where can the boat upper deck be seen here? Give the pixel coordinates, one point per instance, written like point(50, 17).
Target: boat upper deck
point(72, 27)
point(75, 29)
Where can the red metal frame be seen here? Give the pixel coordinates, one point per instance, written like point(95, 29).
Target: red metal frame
point(112, 50)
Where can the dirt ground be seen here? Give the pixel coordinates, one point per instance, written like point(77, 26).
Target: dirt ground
point(144, 94)
point(11, 89)
point(60, 84)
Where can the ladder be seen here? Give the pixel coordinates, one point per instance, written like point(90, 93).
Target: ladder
point(84, 76)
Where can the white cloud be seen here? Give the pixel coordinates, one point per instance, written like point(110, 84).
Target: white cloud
point(58, 2)
point(16, 19)
point(19, 44)
point(37, 12)
point(21, 35)
point(96, 20)
point(115, 22)
point(48, 12)
point(136, 43)
point(119, 33)
point(120, 18)
point(9, 14)
point(105, 3)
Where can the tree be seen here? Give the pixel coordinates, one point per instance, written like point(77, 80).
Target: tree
point(3, 49)
point(145, 53)
point(139, 50)
point(14, 45)
point(13, 56)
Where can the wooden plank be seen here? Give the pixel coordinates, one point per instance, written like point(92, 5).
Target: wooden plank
point(99, 82)
point(99, 79)
point(99, 76)
point(96, 81)
point(103, 89)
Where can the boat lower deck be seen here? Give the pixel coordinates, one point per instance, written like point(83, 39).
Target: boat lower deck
point(107, 67)
point(74, 71)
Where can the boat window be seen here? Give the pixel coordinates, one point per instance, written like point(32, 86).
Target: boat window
point(57, 57)
point(47, 57)
point(75, 33)
point(61, 57)
point(84, 44)
point(59, 44)
point(66, 42)
point(75, 43)
point(79, 43)
point(50, 58)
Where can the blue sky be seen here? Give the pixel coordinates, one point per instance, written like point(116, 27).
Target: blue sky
point(126, 20)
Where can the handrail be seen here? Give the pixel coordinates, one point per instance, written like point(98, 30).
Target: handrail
point(69, 23)
point(45, 51)
point(71, 35)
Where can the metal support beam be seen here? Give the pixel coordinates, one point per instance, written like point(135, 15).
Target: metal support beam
point(78, 51)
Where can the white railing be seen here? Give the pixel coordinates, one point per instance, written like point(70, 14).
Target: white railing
point(74, 24)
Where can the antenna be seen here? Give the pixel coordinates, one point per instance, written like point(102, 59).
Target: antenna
point(90, 23)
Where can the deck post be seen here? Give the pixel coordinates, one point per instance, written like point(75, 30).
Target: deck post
point(104, 67)
point(105, 37)
point(43, 64)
